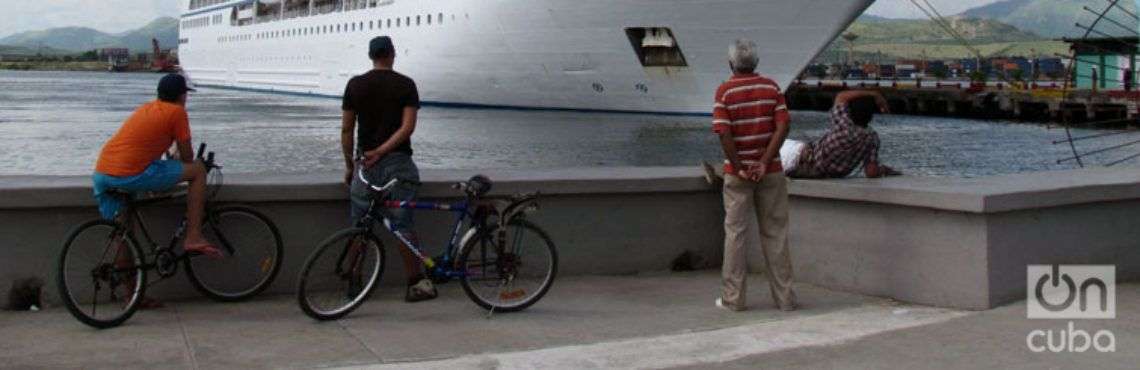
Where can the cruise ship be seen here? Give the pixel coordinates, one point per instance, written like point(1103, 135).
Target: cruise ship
point(649, 56)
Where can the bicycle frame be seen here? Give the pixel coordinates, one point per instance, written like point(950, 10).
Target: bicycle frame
point(131, 215)
point(438, 268)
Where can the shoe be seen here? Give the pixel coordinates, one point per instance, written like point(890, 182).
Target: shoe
point(711, 176)
point(720, 304)
point(421, 291)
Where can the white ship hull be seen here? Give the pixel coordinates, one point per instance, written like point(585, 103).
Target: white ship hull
point(550, 54)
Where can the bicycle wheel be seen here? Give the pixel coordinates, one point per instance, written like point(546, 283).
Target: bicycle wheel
point(516, 277)
point(340, 274)
point(100, 274)
point(254, 263)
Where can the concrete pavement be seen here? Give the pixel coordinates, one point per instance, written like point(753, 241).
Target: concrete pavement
point(994, 339)
point(635, 321)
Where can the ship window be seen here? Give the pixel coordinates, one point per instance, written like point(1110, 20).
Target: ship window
point(429, 19)
point(362, 25)
point(439, 18)
point(338, 28)
point(371, 25)
point(417, 20)
point(656, 47)
point(398, 20)
point(408, 21)
point(389, 23)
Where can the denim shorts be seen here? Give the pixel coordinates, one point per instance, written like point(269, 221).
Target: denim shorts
point(160, 175)
point(393, 166)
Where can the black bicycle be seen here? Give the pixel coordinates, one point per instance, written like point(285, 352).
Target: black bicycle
point(504, 262)
point(102, 272)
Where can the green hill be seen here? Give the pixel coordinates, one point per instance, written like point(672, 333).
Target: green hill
point(21, 51)
point(899, 31)
point(886, 39)
point(77, 39)
point(1056, 18)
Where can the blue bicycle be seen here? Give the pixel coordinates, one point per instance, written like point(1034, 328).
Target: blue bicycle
point(504, 262)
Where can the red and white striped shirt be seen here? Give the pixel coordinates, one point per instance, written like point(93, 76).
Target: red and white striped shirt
point(749, 106)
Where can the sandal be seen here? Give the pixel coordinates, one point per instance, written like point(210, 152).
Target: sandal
point(206, 249)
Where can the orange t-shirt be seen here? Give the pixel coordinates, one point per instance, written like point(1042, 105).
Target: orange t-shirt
point(143, 139)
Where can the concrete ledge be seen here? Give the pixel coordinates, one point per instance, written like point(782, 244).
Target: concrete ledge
point(978, 195)
point(75, 191)
point(984, 195)
point(948, 242)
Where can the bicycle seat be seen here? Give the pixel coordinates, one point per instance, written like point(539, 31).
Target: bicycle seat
point(142, 198)
point(120, 193)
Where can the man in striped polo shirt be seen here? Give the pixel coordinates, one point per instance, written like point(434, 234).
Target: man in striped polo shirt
point(751, 118)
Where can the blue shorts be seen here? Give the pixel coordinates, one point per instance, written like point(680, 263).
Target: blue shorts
point(159, 176)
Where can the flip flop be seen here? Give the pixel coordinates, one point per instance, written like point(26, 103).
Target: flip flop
point(206, 249)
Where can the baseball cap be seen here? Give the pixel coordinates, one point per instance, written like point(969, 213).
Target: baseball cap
point(173, 85)
point(380, 45)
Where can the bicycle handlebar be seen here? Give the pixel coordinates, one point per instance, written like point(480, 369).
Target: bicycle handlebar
point(379, 189)
point(206, 158)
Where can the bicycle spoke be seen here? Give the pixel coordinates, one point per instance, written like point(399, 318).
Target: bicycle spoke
point(339, 275)
point(497, 277)
point(98, 259)
point(252, 251)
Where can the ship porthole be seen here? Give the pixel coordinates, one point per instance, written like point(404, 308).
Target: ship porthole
point(599, 88)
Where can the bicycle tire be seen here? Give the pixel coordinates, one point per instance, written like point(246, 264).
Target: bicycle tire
point(66, 291)
point(338, 244)
point(484, 236)
point(269, 268)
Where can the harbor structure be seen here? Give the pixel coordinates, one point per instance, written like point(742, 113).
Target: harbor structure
point(1101, 63)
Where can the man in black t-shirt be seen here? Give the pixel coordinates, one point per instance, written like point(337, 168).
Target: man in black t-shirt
point(380, 108)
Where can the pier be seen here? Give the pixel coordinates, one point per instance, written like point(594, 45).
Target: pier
point(1044, 102)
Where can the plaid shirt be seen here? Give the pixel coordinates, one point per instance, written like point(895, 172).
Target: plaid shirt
point(842, 149)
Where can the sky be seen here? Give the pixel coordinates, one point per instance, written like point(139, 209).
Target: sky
point(906, 9)
point(122, 15)
point(104, 15)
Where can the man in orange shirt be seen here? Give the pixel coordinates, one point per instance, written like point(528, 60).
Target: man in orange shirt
point(132, 160)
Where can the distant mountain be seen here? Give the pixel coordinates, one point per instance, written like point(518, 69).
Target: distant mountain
point(164, 29)
point(1055, 18)
point(68, 38)
point(886, 38)
point(79, 39)
point(871, 18)
point(899, 31)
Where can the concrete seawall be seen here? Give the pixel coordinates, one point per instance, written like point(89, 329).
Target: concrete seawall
point(948, 242)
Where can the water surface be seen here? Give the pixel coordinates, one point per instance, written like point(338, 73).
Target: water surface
point(54, 123)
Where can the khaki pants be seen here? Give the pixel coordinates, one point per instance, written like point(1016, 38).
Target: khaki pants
point(768, 199)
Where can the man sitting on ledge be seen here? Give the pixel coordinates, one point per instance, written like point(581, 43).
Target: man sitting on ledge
point(848, 143)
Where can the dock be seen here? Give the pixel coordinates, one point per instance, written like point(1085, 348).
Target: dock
point(1039, 102)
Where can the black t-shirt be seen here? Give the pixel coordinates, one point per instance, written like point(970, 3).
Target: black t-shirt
point(379, 98)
